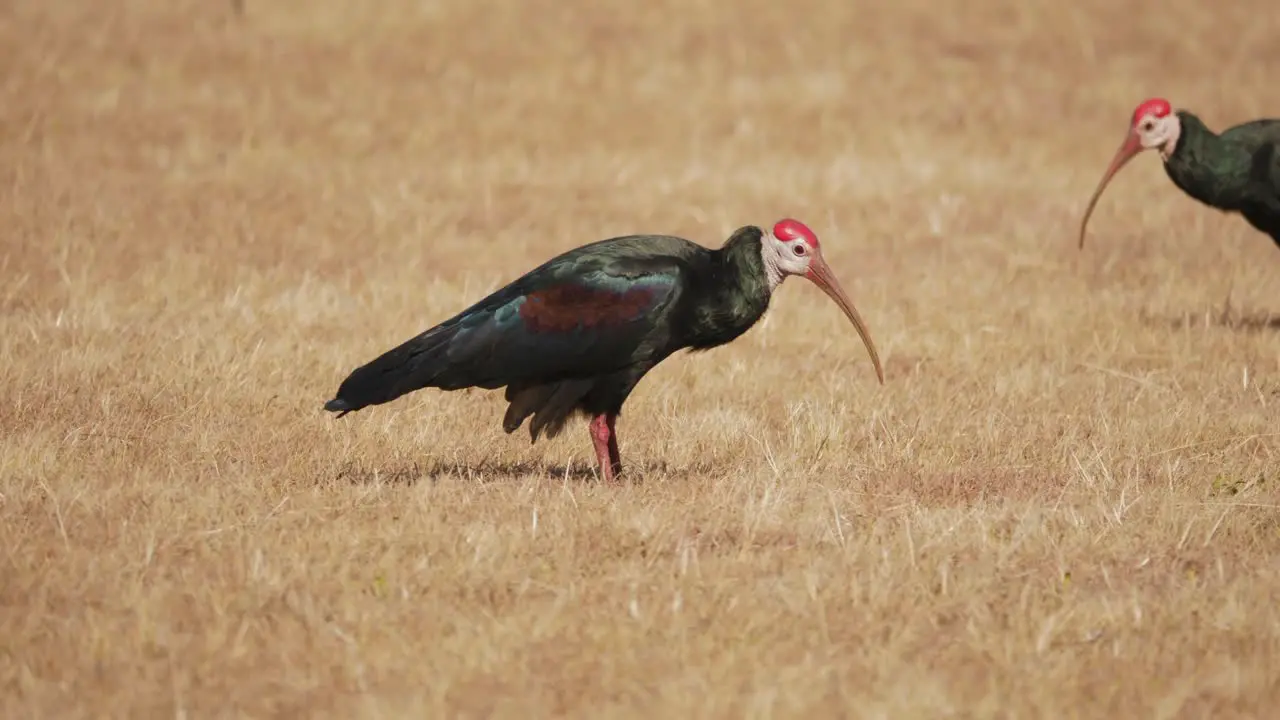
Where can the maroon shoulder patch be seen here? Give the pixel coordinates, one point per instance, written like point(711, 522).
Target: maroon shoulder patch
point(566, 307)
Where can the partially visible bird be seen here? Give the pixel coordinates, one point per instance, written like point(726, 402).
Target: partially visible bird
point(578, 332)
point(1235, 171)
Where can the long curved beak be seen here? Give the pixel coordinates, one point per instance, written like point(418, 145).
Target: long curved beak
point(1132, 146)
point(820, 274)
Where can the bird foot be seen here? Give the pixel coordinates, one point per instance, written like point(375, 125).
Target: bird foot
point(605, 439)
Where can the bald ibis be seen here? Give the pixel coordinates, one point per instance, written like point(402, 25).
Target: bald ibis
point(577, 333)
point(1235, 171)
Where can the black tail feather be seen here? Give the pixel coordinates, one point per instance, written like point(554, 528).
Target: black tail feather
point(338, 405)
point(413, 365)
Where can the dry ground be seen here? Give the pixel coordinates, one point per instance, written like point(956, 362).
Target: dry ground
point(1061, 504)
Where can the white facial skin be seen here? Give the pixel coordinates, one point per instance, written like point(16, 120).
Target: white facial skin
point(784, 257)
point(1159, 133)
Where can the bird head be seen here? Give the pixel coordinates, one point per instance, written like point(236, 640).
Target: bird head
point(1153, 126)
point(791, 248)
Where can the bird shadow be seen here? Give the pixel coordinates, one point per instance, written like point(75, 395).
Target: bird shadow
point(493, 471)
point(1241, 321)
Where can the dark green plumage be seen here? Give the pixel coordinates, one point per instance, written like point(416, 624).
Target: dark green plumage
point(1235, 171)
point(578, 332)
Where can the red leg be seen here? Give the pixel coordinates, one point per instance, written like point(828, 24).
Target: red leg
point(606, 445)
point(615, 459)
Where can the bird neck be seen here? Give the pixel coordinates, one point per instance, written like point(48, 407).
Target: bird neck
point(743, 270)
point(1202, 163)
point(734, 290)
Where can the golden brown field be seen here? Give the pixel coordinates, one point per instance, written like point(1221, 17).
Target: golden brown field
point(1062, 503)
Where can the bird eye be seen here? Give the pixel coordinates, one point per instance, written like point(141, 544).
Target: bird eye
point(798, 248)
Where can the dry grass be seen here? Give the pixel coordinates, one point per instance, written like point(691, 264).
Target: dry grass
point(1061, 504)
